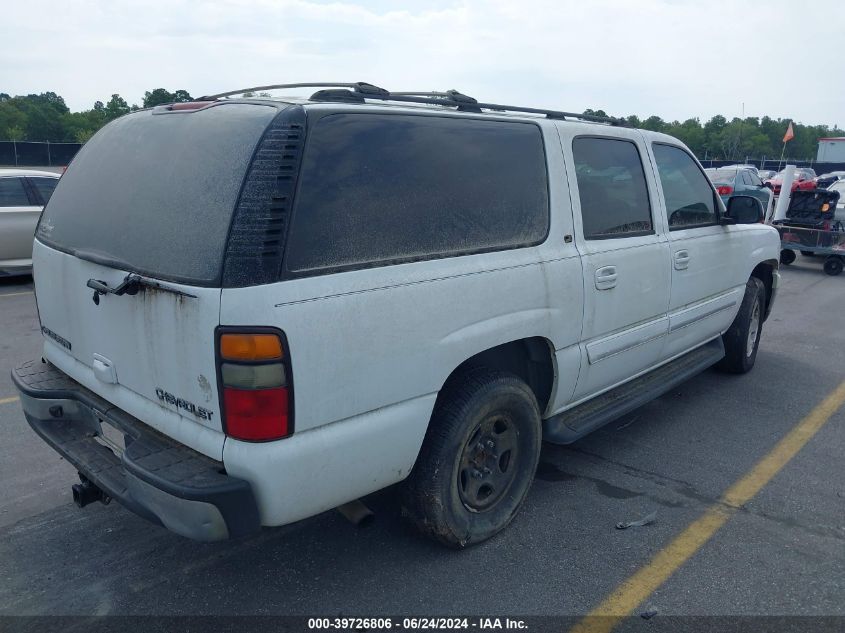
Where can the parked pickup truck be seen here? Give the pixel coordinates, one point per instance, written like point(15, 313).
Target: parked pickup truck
point(257, 309)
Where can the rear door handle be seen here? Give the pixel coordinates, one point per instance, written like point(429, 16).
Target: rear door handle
point(606, 277)
point(681, 260)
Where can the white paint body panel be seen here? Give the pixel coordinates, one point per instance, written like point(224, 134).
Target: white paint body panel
point(370, 349)
point(154, 340)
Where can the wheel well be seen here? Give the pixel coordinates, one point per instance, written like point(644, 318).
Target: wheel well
point(763, 272)
point(532, 359)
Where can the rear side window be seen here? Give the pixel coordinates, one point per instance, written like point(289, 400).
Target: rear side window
point(45, 187)
point(377, 189)
point(689, 195)
point(12, 193)
point(612, 188)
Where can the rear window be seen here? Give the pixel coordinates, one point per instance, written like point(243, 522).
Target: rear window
point(721, 175)
point(377, 189)
point(45, 186)
point(12, 193)
point(155, 193)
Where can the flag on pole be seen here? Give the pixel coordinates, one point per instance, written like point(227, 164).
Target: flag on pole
point(790, 134)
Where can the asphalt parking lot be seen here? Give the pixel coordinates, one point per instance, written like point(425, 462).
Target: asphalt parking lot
point(781, 552)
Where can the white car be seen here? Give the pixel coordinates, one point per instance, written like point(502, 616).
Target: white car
point(271, 307)
point(743, 166)
point(23, 194)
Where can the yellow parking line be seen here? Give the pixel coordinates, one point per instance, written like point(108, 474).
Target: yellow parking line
point(637, 588)
point(15, 294)
point(8, 400)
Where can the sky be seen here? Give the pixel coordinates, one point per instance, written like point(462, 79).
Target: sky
point(677, 59)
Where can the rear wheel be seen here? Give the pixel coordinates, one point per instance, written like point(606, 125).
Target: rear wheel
point(743, 337)
point(787, 256)
point(833, 265)
point(478, 459)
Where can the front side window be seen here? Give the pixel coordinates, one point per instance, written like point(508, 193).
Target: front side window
point(12, 193)
point(379, 189)
point(688, 194)
point(612, 188)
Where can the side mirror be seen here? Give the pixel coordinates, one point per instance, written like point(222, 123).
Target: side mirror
point(743, 210)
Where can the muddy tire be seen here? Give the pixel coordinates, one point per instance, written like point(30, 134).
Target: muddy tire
point(743, 337)
point(477, 461)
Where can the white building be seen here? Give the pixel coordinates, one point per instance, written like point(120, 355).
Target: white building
point(831, 150)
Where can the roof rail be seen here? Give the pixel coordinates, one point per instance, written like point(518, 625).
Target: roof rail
point(359, 92)
point(319, 84)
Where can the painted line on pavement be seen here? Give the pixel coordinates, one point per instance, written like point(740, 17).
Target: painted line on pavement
point(625, 599)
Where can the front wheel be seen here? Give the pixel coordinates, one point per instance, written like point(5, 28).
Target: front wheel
point(477, 461)
point(787, 256)
point(743, 337)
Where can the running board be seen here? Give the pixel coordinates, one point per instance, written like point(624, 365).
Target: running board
point(577, 422)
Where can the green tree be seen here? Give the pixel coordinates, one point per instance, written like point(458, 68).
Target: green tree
point(116, 107)
point(161, 96)
point(182, 96)
point(654, 123)
point(11, 118)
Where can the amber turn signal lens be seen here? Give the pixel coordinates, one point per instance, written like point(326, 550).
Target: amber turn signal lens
point(250, 347)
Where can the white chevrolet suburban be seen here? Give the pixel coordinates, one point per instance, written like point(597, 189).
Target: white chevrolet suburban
point(256, 310)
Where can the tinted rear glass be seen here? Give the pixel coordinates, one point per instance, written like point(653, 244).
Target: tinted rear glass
point(154, 193)
point(45, 186)
point(12, 193)
point(386, 188)
point(722, 175)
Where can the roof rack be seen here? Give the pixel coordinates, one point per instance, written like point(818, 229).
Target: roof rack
point(359, 92)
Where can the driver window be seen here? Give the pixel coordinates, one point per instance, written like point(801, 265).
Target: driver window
point(688, 194)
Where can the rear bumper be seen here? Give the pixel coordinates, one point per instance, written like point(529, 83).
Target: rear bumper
point(155, 477)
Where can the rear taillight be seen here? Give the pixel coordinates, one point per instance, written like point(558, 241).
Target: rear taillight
point(725, 190)
point(254, 377)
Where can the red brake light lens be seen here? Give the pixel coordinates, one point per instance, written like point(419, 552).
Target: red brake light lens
point(254, 378)
point(724, 190)
point(188, 105)
point(256, 414)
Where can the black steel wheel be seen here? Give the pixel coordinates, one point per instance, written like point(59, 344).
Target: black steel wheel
point(488, 463)
point(478, 458)
point(833, 265)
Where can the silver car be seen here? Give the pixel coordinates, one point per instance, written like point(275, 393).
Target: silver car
point(23, 194)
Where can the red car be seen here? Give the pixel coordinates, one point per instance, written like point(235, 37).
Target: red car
point(804, 179)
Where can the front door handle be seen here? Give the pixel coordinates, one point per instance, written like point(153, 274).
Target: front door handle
point(681, 260)
point(606, 277)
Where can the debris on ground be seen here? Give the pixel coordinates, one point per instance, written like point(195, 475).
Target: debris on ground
point(624, 525)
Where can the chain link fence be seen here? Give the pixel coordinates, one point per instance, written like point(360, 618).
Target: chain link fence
point(34, 154)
